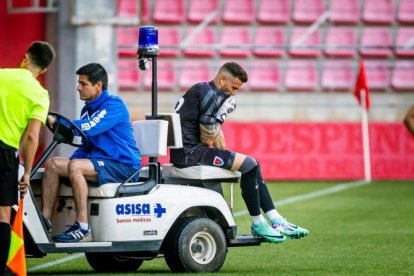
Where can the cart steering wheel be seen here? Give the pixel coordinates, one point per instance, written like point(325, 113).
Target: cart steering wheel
point(64, 131)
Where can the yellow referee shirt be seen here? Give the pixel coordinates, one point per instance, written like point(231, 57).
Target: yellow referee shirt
point(21, 98)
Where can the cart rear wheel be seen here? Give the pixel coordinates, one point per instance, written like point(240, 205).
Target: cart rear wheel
point(195, 245)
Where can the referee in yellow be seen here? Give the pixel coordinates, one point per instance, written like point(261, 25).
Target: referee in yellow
point(24, 105)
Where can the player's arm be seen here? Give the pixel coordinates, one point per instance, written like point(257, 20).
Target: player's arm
point(209, 132)
point(211, 121)
point(409, 120)
point(220, 142)
point(31, 141)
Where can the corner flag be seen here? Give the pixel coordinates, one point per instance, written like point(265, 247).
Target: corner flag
point(361, 87)
point(17, 257)
point(362, 94)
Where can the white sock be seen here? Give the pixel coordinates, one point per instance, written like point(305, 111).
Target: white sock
point(84, 225)
point(258, 219)
point(273, 214)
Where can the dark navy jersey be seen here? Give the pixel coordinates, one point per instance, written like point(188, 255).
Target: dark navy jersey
point(198, 105)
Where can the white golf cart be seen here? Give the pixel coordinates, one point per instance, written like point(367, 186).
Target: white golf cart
point(161, 215)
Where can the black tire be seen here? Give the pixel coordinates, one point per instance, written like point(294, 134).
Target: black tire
point(195, 245)
point(112, 262)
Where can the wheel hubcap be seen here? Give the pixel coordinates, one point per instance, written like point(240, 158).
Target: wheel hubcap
point(203, 248)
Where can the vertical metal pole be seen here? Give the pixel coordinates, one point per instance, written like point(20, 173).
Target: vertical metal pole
point(154, 88)
point(154, 102)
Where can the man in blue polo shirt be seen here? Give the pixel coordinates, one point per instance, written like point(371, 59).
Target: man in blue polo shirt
point(110, 154)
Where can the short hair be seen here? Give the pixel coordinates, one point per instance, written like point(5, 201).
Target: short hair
point(95, 72)
point(41, 54)
point(235, 70)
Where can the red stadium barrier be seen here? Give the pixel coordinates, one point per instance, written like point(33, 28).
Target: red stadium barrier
point(323, 151)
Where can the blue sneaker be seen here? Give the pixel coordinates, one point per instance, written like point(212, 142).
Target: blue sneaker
point(268, 233)
point(74, 234)
point(289, 229)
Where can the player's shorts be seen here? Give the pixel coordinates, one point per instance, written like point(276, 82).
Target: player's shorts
point(9, 167)
point(210, 156)
point(113, 172)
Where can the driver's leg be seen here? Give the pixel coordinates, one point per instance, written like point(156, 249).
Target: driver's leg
point(81, 171)
point(54, 168)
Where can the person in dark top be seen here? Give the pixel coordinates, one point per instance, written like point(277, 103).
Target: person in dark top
point(203, 109)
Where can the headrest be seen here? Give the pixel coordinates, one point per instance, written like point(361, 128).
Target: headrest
point(151, 137)
point(175, 140)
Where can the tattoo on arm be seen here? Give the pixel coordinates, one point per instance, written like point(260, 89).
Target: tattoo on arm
point(208, 133)
point(220, 142)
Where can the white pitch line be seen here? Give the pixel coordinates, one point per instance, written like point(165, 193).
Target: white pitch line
point(332, 190)
point(59, 261)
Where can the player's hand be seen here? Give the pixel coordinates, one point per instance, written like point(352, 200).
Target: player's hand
point(24, 184)
point(228, 106)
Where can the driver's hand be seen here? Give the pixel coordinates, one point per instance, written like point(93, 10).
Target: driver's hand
point(51, 120)
point(24, 184)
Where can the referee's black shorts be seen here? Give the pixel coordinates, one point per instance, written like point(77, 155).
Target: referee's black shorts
point(9, 167)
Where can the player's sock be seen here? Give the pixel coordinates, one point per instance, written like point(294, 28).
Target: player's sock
point(258, 219)
point(5, 233)
point(250, 192)
point(273, 214)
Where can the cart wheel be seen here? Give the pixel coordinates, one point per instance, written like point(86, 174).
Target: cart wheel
point(112, 262)
point(195, 245)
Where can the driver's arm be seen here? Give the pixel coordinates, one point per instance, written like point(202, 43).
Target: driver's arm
point(108, 117)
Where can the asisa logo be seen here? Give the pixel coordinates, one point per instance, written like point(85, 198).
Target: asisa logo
point(133, 209)
point(140, 209)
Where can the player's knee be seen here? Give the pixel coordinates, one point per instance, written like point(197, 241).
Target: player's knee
point(248, 164)
point(74, 167)
point(51, 164)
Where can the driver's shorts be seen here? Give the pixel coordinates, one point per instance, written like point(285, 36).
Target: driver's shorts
point(9, 167)
point(113, 172)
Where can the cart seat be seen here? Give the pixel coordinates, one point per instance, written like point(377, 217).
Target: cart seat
point(151, 139)
point(107, 190)
point(194, 174)
point(199, 172)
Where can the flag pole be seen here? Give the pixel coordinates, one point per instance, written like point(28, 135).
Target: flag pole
point(365, 137)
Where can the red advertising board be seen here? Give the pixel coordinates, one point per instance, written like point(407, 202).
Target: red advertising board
point(323, 151)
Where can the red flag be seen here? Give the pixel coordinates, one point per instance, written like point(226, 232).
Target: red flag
point(17, 258)
point(361, 85)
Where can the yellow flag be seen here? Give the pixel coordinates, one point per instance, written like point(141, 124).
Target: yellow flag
point(17, 257)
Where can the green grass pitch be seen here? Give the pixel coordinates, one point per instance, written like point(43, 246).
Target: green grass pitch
point(361, 230)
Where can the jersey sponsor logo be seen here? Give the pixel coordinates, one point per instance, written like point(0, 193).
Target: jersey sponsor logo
point(143, 209)
point(94, 121)
point(218, 161)
point(101, 163)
